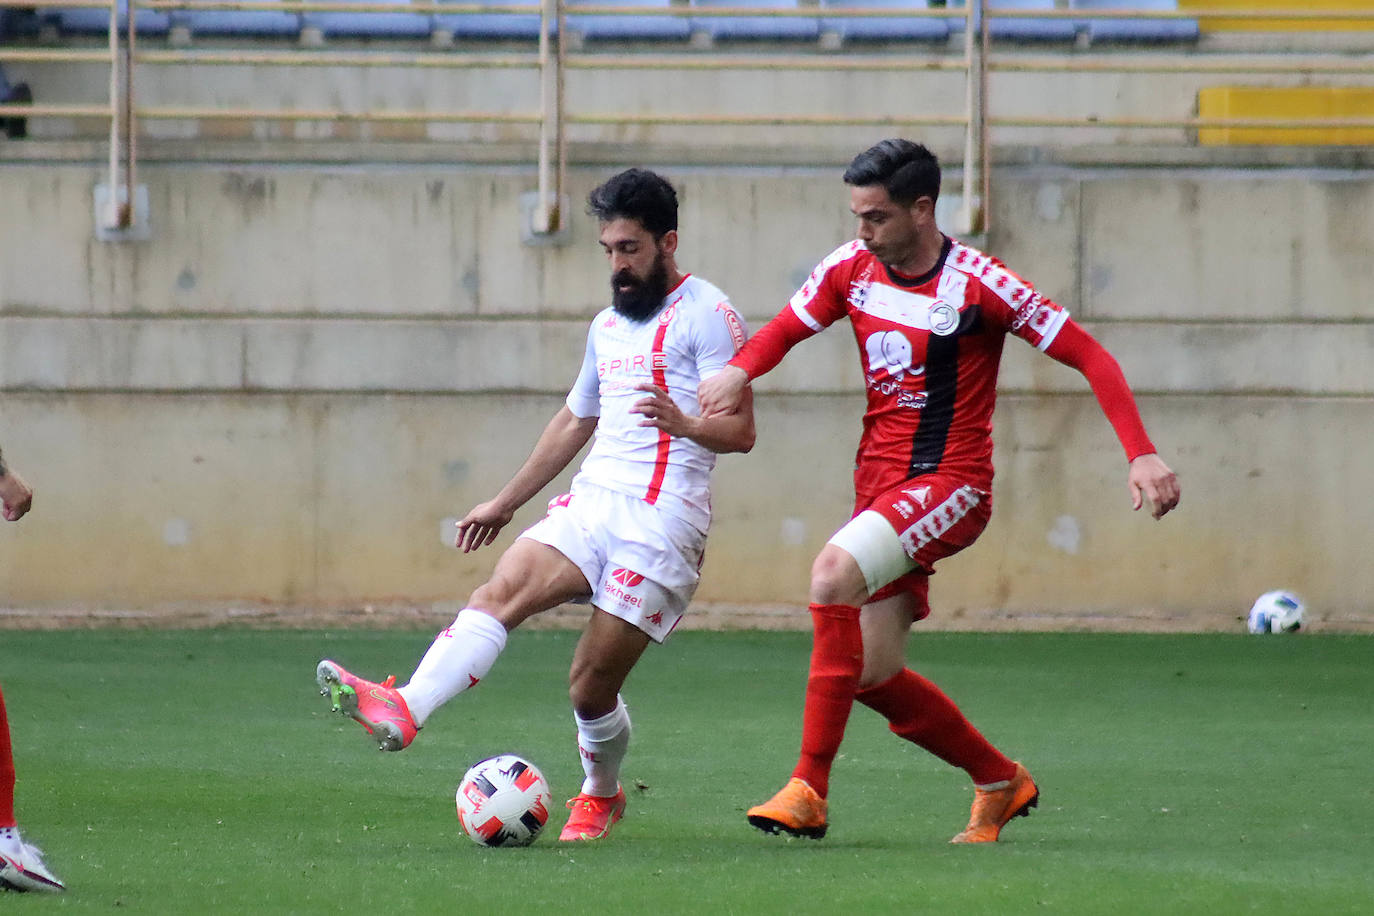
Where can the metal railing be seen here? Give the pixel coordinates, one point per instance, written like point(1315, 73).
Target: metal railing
point(973, 55)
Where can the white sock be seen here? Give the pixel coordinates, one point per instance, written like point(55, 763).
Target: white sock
point(602, 744)
point(460, 656)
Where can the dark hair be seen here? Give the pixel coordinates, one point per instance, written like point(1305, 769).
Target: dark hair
point(906, 169)
point(637, 194)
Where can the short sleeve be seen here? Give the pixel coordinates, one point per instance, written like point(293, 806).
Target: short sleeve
point(720, 335)
point(585, 398)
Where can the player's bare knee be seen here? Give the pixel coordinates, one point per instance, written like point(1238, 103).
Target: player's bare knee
point(496, 599)
point(834, 579)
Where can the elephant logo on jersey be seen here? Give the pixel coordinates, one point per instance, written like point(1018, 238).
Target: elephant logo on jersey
point(944, 318)
point(889, 351)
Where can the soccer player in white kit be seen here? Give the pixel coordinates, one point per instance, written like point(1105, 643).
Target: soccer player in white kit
point(629, 536)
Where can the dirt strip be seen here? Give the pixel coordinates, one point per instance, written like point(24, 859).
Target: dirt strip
point(702, 616)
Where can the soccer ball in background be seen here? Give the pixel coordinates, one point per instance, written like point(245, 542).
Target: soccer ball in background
point(503, 801)
point(1276, 612)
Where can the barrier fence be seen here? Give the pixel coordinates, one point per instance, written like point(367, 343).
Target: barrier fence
point(973, 51)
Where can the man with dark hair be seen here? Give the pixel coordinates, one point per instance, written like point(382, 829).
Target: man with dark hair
point(21, 864)
point(630, 536)
point(930, 316)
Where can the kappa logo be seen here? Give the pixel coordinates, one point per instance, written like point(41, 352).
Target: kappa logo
point(626, 577)
point(656, 618)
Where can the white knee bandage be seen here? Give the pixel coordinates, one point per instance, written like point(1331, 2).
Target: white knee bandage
point(870, 540)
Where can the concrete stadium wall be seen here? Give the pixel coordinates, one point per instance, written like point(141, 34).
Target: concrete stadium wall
point(284, 397)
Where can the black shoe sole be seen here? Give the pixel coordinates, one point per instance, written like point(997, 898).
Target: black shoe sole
point(768, 825)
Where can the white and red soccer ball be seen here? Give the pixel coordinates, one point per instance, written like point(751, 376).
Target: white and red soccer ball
point(503, 801)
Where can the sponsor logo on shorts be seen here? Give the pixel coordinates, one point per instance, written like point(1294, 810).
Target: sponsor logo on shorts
point(626, 577)
point(920, 494)
point(618, 585)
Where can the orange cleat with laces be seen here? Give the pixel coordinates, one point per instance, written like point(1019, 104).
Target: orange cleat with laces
point(994, 806)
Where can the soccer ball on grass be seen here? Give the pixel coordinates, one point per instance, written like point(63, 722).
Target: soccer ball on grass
point(1276, 612)
point(503, 801)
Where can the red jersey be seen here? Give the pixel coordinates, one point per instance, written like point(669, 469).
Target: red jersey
point(930, 347)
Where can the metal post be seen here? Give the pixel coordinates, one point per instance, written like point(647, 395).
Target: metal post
point(112, 214)
point(126, 207)
point(547, 215)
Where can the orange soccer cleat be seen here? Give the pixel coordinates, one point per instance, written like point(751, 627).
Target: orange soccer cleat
point(592, 816)
point(379, 708)
point(797, 810)
point(993, 807)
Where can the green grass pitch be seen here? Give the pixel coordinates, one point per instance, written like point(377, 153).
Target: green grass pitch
point(200, 772)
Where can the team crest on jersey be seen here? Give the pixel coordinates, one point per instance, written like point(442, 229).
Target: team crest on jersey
point(944, 318)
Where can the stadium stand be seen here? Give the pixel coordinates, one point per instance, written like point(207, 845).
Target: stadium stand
point(96, 20)
point(883, 29)
point(755, 28)
point(238, 23)
point(370, 25)
point(492, 26)
point(1003, 28)
point(1140, 30)
point(627, 27)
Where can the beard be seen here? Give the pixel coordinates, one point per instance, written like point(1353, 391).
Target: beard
point(640, 298)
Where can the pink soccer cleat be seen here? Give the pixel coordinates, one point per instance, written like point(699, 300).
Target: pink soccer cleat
point(592, 816)
point(379, 708)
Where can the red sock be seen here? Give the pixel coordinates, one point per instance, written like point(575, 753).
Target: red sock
point(920, 712)
point(6, 769)
point(837, 660)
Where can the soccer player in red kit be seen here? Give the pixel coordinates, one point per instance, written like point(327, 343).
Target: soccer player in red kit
point(21, 864)
point(930, 316)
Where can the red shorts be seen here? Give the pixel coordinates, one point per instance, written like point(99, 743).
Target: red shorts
point(936, 516)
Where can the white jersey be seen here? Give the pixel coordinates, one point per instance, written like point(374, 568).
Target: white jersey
point(691, 339)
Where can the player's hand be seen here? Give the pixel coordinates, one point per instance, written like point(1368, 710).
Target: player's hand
point(662, 411)
point(1151, 480)
point(722, 392)
point(481, 526)
point(15, 496)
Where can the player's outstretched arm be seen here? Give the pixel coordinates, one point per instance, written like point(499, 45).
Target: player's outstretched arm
point(15, 496)
point(732, 432)
point(558, 445)
point(1150, 480)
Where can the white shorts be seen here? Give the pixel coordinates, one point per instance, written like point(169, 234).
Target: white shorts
point(642, 563)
